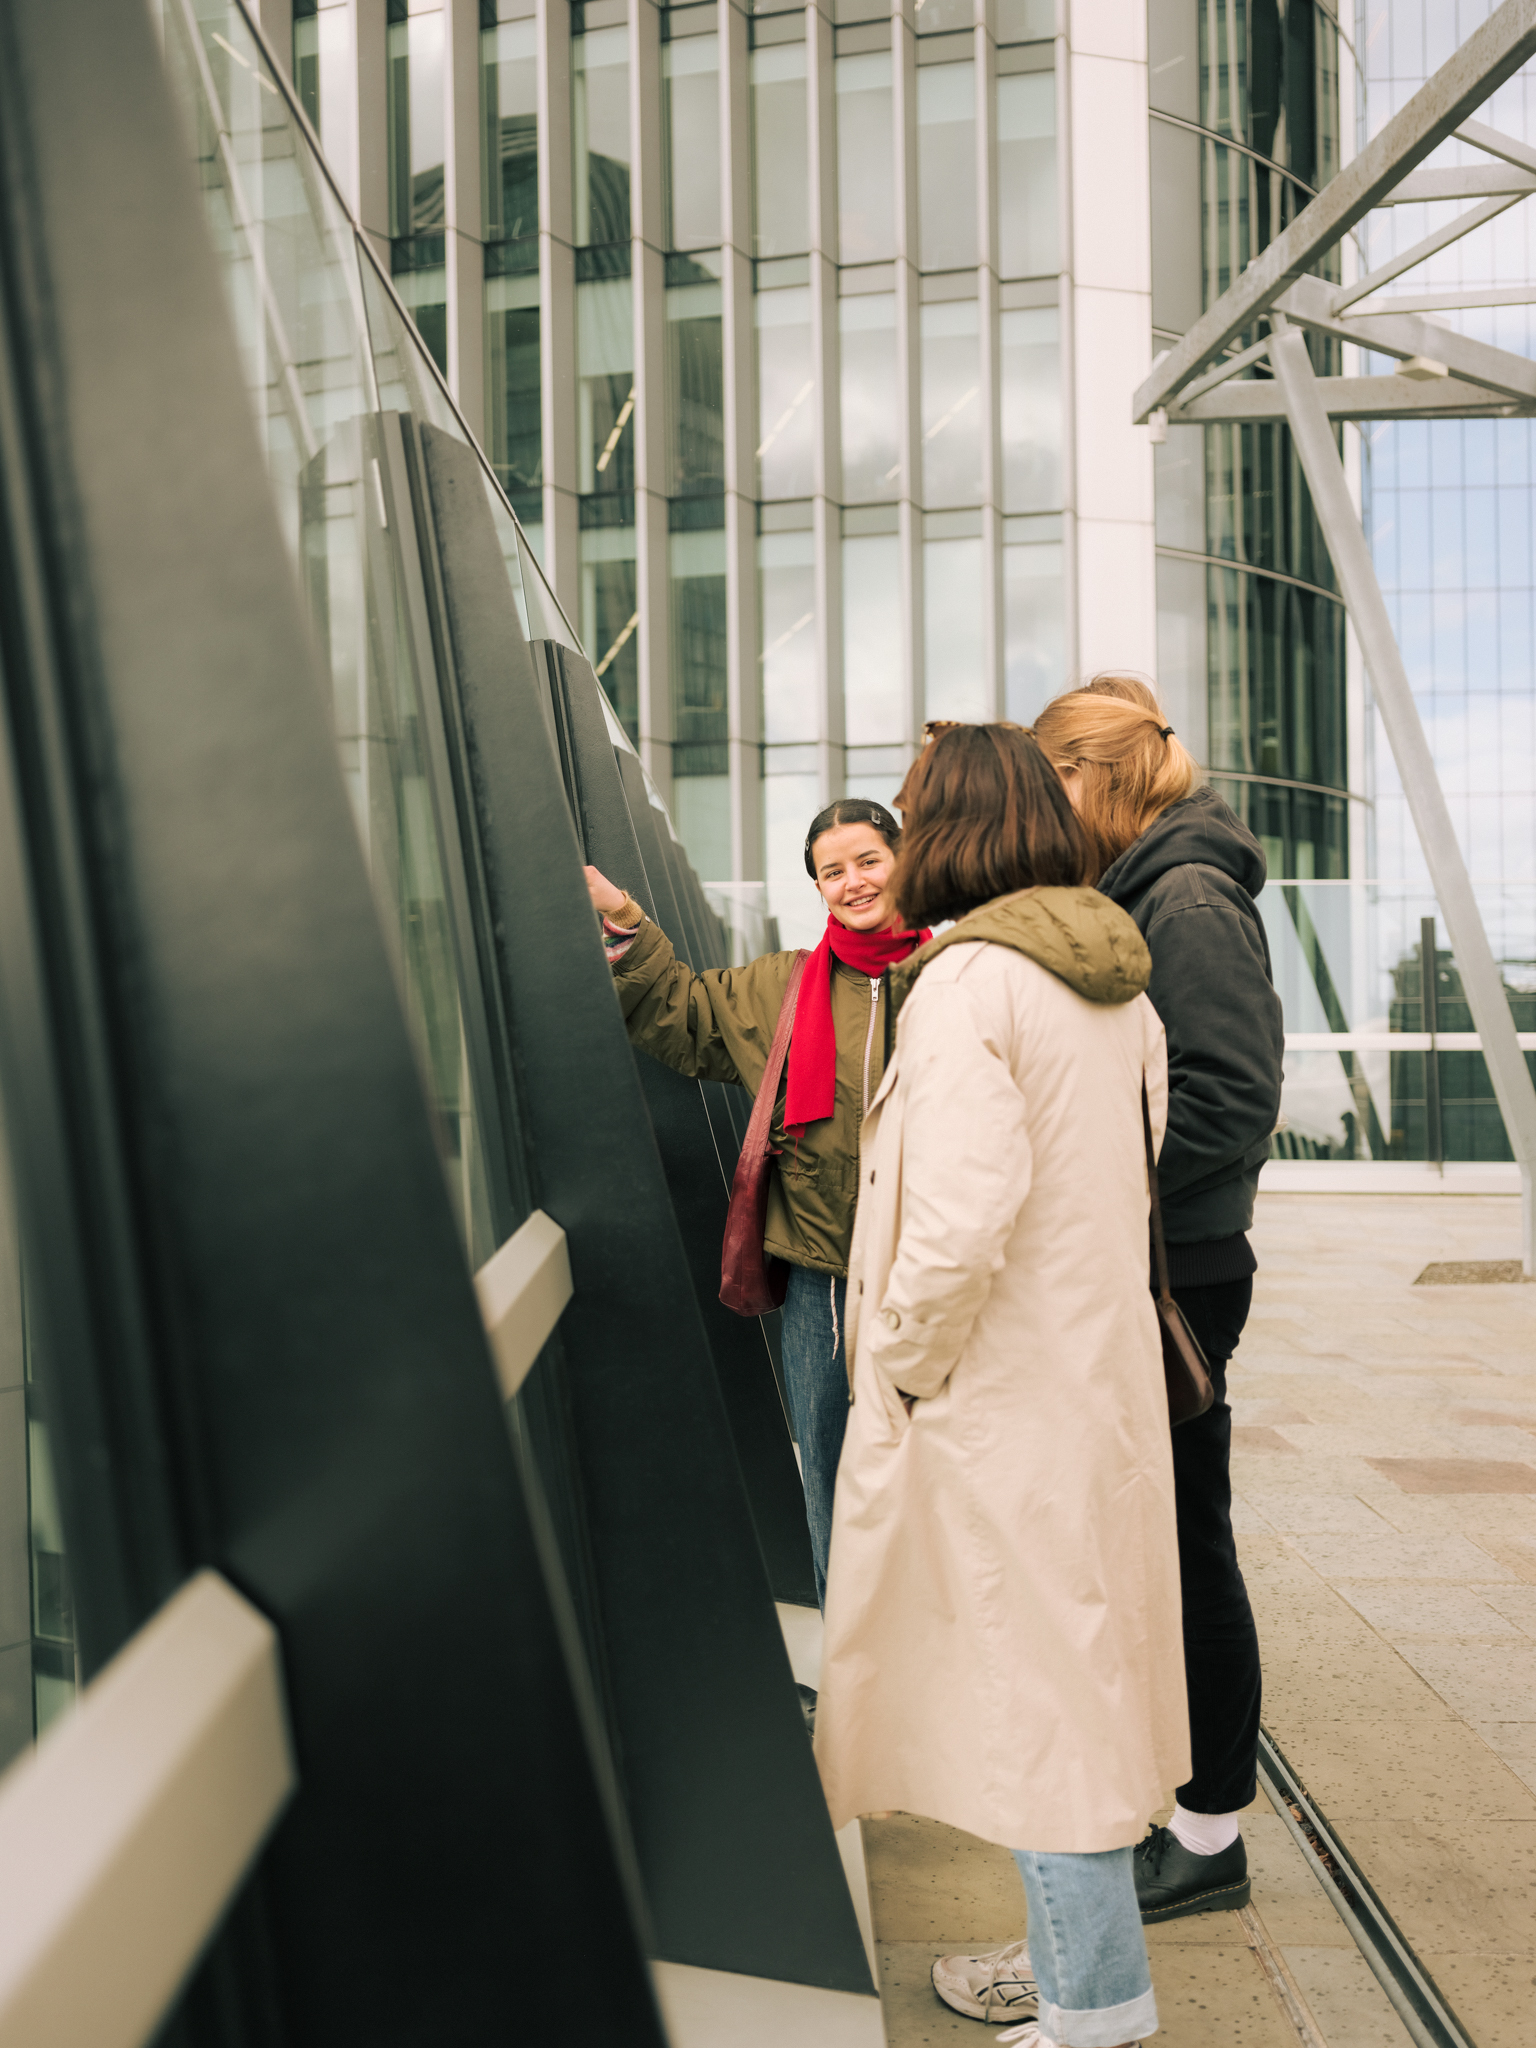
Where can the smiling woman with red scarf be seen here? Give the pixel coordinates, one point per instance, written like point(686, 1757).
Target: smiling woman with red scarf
point(719, 1026)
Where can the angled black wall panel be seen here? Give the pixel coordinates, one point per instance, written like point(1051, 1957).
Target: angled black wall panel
point(695, 1134)
point(740, 1865)
point(226, 1156)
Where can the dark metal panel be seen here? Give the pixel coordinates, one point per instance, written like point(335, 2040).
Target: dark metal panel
point(741, 1868)
point(204, 1033)
point(695, 1138)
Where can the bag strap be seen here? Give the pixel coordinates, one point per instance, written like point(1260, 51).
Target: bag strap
point(768, 1093)
point(1159, 1250)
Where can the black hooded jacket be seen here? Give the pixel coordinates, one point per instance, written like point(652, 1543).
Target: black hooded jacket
point(1189, 882)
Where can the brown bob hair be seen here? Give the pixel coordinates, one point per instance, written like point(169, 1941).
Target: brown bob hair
point(1129, 764)
point(985, 816)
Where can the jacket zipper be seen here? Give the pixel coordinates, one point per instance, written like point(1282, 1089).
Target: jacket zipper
point(869, 1040)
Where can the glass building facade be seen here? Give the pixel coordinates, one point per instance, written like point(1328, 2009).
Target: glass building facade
point(769, 359)
point(824, 320)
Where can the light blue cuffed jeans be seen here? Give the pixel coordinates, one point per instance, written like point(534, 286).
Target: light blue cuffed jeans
point(1087, 1949)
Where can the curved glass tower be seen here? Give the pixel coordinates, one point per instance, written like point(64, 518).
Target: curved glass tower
point(1246, 124)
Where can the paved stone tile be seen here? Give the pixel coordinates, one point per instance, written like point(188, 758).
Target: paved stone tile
point(1451, 1892)
point(932, 1883)
point(1492, 1995)
point(1516, 1604)
point(1350, 2007)
point(1314, 1514)
point(1245, 1437)
point(1458, 1475)
point(1398, 1609)
point(1479, 1680)
point(1387, 1556)
point(1432, 1770)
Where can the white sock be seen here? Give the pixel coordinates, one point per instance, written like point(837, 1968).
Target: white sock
point(1205, 1834)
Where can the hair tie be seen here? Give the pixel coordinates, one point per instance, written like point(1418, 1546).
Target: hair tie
point(1165, 732)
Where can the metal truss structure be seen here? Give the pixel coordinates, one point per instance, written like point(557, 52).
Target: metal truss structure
point(1211, 376)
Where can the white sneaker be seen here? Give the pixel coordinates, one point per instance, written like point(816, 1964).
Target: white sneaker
point(1030, 2036)
point(997, 1986)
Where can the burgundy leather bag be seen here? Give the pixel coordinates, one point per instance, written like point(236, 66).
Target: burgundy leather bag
point(1185, 1372)
point(751, 1283)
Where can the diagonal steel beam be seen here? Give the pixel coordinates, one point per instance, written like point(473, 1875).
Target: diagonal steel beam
point(1430, 245)
point(1348, 398)
point(1495, 143)
point(1312, 434)
point(1457, 300)
point(1470, 181)
point(1309, 301)
point(1490, 54)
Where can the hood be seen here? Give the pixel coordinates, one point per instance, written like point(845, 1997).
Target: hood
point(1076, 934)
point(1200, 830)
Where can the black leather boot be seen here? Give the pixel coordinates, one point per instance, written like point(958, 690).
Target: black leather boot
point(1172, 1880)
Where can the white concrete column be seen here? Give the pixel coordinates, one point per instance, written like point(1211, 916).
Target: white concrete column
point(1107, 323)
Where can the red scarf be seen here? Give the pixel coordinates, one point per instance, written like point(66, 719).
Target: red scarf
point(813, 1047)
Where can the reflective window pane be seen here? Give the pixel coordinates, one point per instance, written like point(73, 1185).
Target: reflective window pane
point(952, 406)
point(955, 682)
point(510, 141)
point(605, 387)
point(610, 618)
point(701, 781)
point(870, 398)
point(873, 683)
point(1030, 364)
point(786, 393)
point(415, 116)
point(690, 73)
point(513, 408)
point(866, 159)
point(946, 165)
point(600, 135)
point(695, 390)
point(786, 606)
point(781, 221)
point(1034, 628)
point(1026, 175)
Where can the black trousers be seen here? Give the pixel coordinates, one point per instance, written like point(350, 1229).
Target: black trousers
point(1221, 1644)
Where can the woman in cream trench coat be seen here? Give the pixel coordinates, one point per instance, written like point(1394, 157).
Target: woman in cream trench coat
point(1003, 1646)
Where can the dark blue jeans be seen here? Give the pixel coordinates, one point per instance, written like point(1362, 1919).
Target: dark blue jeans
point(816, 1380)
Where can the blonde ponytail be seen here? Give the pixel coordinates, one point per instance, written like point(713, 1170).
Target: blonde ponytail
point(1130, 764)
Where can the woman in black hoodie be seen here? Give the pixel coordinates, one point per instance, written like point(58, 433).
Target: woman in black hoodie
point(1187, 870)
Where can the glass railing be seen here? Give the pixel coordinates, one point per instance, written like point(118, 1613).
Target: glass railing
point(329, 354)
point(1382, 1058)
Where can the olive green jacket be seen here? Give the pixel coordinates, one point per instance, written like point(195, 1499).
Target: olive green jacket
point(719, 1026)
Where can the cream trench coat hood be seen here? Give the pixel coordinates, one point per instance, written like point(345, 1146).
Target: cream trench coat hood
point(1003, 1646)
